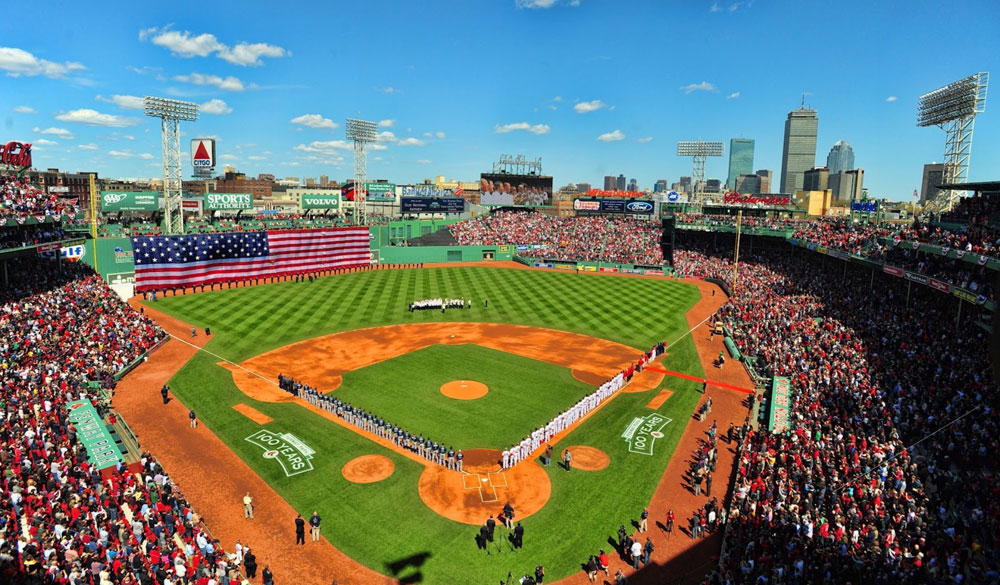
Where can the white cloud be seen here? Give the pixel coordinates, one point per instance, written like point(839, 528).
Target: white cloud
point(18, 62)
point(128, 154)
point(703, 86)
point(230, 157)
point(613, 136)
point(891, 98)
point(325, 146)
point(715, 7)
point(377, 146)
point(390, 89)
point(228, 83)
point(90, 146)
point(25, 110)
point(558, 98)
point(586, 107)
point(411, 142)
point(440, 135)
point(386, 136)
point(387, 123)
point(45, 142)
point(733, 95)
point(315, 121)
point(428, 135)
point(125, 102)
point(216, 107)
point(534, 129)
point(187, 45)
point(544, 3)
point(95, 118)
point(645, 139)
point(245, 54)
point(257, 157)
point(424, 161)
point(60, 132)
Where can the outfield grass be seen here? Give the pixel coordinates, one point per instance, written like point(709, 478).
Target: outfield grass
point(382, 523)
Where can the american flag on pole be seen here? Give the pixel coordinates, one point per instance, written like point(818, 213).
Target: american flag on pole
point(176, 261)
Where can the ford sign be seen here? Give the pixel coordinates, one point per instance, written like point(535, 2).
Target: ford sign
point(639, 207)
point(673, 196)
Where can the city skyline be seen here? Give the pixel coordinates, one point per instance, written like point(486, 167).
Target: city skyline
point(276, 101)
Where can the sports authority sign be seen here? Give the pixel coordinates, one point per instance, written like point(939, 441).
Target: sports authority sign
point(643, 432)
point(289, 451)
point(215, 201)
point(203, 154)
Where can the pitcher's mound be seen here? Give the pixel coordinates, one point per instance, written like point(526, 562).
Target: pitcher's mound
point(587, 458)
point(368, 469)
point(464, 390)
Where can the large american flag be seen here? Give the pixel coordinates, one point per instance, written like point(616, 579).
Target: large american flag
point(175, 261)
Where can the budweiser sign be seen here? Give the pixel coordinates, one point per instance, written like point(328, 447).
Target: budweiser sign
point(15, 154)
point(733, 197)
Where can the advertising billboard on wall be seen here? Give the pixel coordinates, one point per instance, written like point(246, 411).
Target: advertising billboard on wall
point(432, 205)
point(130, 200)
point(320, 201)
point(215, 201)
point(626, 206)
point(381, 191)
point(507, 189)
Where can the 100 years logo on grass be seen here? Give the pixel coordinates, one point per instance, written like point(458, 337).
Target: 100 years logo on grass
point(642, 432)
point(292, 454)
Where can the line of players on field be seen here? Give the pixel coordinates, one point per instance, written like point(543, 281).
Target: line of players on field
point(424, 447)
point(519, 452)
point(425, 304)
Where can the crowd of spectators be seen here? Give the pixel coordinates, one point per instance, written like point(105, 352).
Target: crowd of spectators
point(584, 238)
point(30, 235)
point(20, 200)
point(978, 238)
point(62, 520)
point(974, 209)
point(887, 473)
point(750, 223)
point(842, 234)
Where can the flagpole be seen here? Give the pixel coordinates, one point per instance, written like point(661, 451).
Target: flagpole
point(93, 218)
point(736, 255)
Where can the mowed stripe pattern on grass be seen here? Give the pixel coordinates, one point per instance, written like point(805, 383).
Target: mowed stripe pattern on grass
point(248, 321)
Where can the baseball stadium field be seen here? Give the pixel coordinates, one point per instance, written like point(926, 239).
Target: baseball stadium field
point(545, 340)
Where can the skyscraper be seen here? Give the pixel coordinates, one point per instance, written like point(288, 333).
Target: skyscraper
point(661, 185)
point(766, 180)
point(620, 183)
point(933, 176)
point(324, 180)
point(847, 185)
point(609, 182)
point(841, 157)
point(815, 179)
point(799, 153)
point(633, 185)
point(740, 159)
point(582, 187)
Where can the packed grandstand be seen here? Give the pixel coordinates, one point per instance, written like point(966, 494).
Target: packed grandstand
point(887, 473)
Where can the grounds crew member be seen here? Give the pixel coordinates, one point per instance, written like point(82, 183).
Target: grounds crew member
point(248, 506)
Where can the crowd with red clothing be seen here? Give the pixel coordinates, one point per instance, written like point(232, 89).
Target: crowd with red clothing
point(19, 199)
point(842, 234)
point(63, 521)
point(862, 488)
point(584, 238)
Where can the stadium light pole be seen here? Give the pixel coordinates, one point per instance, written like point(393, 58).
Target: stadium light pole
point(361, 132)
point(699, 150)
point(171, 112)
point(953, 108)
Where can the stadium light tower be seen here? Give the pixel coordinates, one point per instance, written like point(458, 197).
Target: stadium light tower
point(699, 150)
point(171, 112)
point(361, 132)
point(953, 108)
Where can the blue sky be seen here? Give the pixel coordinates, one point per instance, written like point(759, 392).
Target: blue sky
point(593, 87)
